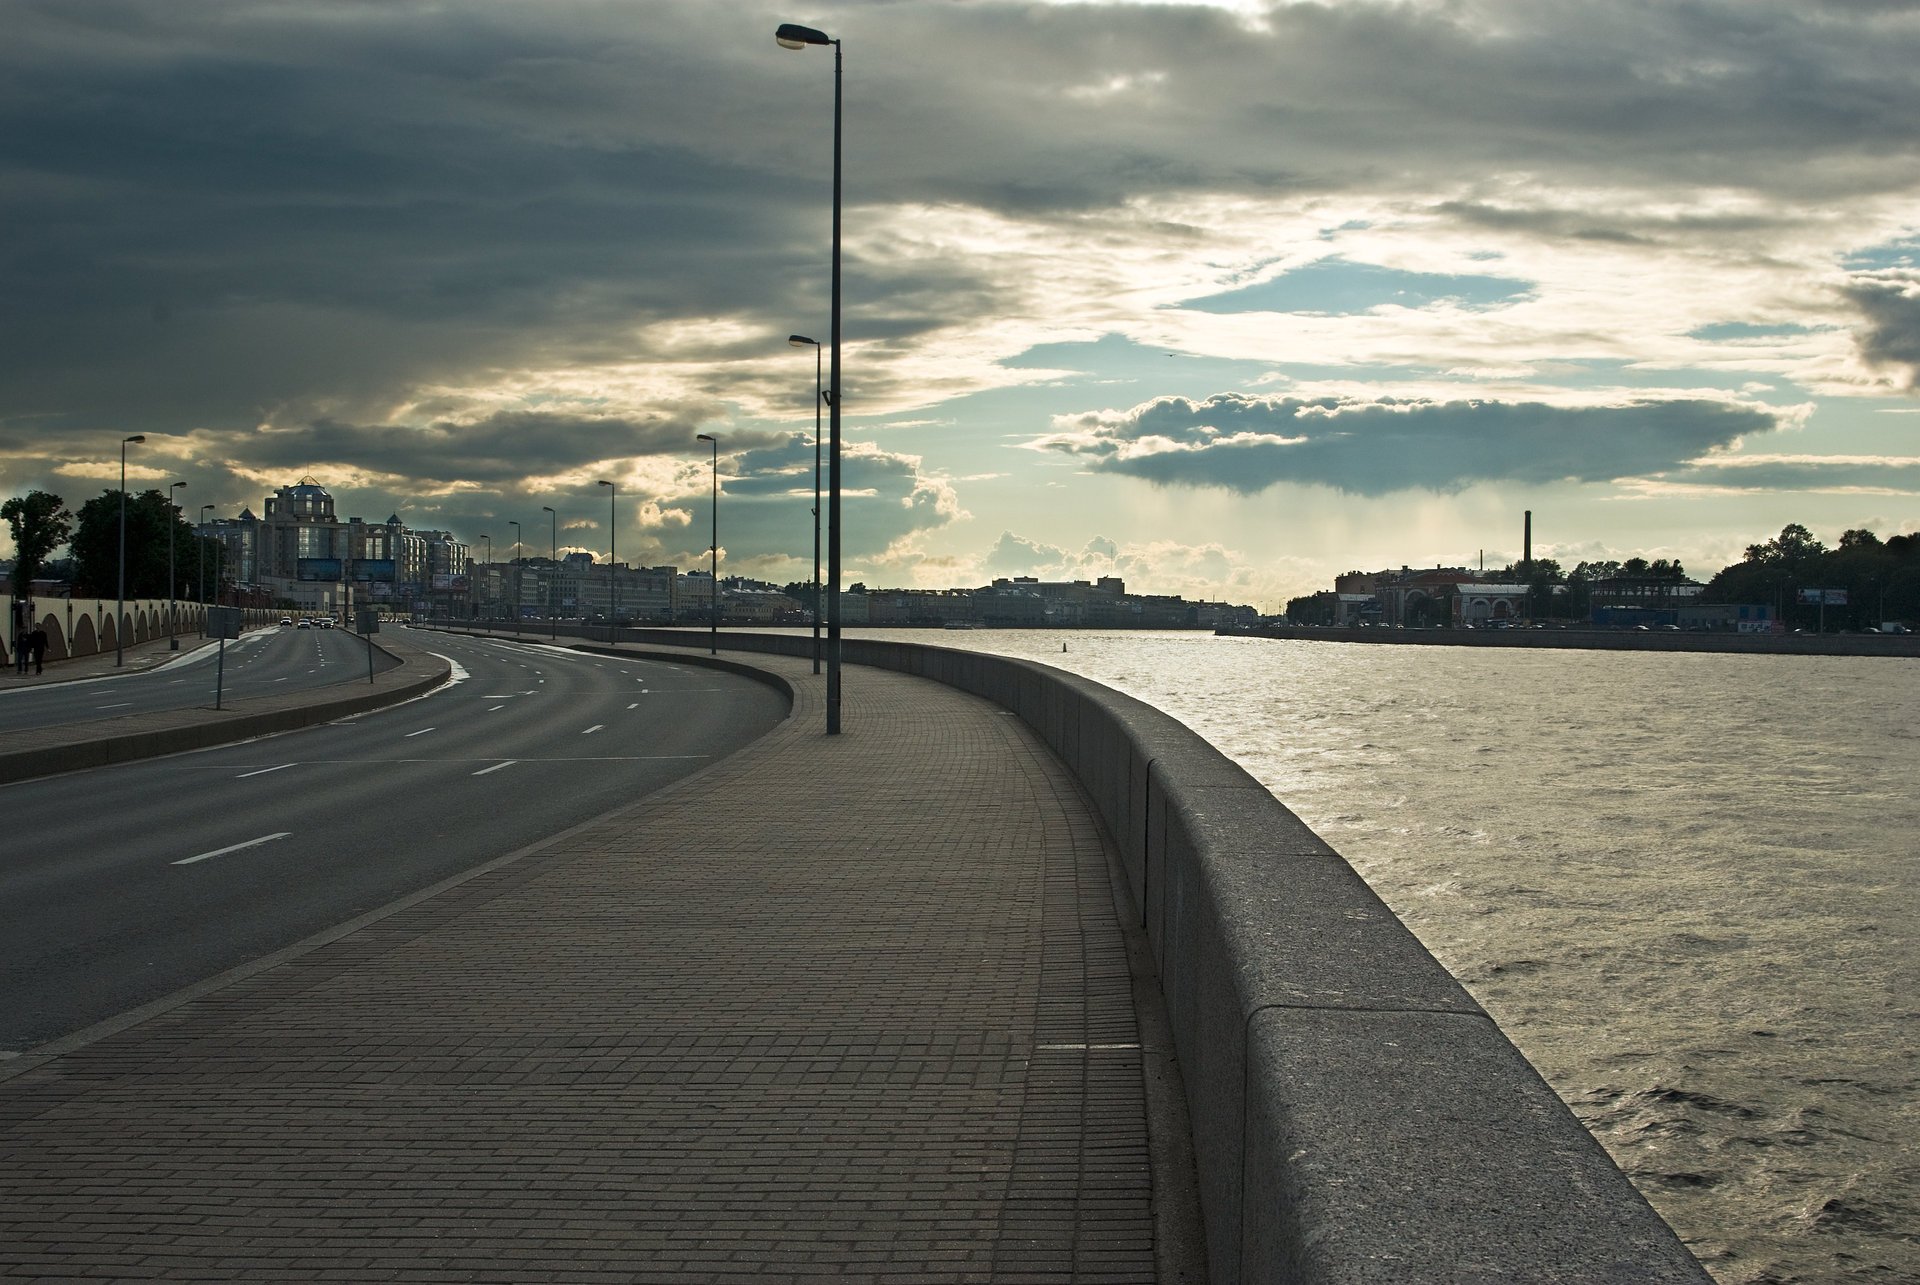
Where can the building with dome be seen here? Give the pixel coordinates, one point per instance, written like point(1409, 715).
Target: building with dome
point(299, 552)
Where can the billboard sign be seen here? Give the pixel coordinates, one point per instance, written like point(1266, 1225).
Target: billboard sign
point(1831, 597)
point(322, 569)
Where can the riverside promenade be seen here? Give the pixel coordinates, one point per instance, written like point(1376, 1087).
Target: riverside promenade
point(837, 1009)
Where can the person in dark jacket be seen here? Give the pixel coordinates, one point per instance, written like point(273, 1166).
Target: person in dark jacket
point(37, 644)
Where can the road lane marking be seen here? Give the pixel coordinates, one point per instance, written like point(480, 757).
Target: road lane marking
point(496, 767)
point(422, 732)
point(635, 705)
point(498, 696)
point(263, 771)
point(591, 730)
point(115, 705)
point(235, 847)
point(494, 709)
point(456, 672)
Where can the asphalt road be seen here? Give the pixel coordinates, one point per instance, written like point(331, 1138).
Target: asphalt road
point(264, 661)
point(122, 884)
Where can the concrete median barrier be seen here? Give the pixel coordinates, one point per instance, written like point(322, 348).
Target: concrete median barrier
point(74, 747)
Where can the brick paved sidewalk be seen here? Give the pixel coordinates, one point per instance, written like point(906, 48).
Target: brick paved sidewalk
point(847, 1009)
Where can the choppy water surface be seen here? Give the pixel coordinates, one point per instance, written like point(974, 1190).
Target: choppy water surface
point(1686, 886)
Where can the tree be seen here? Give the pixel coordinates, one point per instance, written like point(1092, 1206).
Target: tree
point(41, 524)
point(151, 520)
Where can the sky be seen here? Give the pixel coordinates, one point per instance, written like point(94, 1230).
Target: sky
point(1221, 298)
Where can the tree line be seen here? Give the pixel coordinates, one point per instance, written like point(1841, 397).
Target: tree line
point(41, 523)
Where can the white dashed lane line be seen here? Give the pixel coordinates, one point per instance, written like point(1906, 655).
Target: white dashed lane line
point(263, 771)
point(233, 847)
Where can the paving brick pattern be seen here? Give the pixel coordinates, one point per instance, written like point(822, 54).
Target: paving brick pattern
point(836, 1009)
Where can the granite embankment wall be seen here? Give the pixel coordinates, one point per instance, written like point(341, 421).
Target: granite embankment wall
point(1356, 1115)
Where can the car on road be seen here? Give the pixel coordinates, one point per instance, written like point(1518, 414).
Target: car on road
point(303, 625)
point(286, 620)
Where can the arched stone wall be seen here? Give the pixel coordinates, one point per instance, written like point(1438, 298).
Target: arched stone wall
point(56, 637)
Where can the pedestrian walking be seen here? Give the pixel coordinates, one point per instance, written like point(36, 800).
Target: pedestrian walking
point(37, 643)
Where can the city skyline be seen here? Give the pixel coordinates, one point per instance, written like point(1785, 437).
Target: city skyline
point(1223, 299)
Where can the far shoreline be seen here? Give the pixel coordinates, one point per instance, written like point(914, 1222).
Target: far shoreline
point(1577, 638)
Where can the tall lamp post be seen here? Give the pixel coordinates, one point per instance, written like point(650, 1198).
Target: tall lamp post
point(516, 574)
point(613, 585)
point(713, 600)
point(488, 537)
point(200, 554)
point(801, 341)
point(792, 36)
point(173, 641)
point(120, 606)
point(553, 574)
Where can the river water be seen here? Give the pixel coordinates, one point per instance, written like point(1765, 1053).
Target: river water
point(1687, 886)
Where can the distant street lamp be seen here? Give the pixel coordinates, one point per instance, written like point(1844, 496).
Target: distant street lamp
point(792, 36)
point(173, 642)
point(516, 574)
point(553, 574)
point(613, 585)
point(713, 601)
point(120, 609)
point(488, 537)
point(801, 341)
point(200, 552)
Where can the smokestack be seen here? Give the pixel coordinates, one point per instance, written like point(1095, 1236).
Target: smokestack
point(1526, 555)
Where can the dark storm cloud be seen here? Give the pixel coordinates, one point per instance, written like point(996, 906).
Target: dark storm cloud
point(1247, 444)
point(501, 450)
point(1890, 304)
point(220, 214)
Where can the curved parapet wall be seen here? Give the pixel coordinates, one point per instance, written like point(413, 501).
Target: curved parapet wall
point(1356, 1115)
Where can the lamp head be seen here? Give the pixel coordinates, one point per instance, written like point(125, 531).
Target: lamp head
point(137, 437)
point(704, 437)
point(601, 481)
point(801, 341)
point(547, 508)
point(792, 35)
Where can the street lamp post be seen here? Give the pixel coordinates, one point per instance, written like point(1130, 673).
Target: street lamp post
point(553, 574)
point(801, 341)
point(120, 607)
point(516, 574)
point(792, 36)
point(173, 640)
point(613, 585)
point(200, 554)
point(488, 537)
point(713, 600)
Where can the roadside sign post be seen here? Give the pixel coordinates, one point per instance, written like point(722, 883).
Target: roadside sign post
point(222, 623)
point(369, 622)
